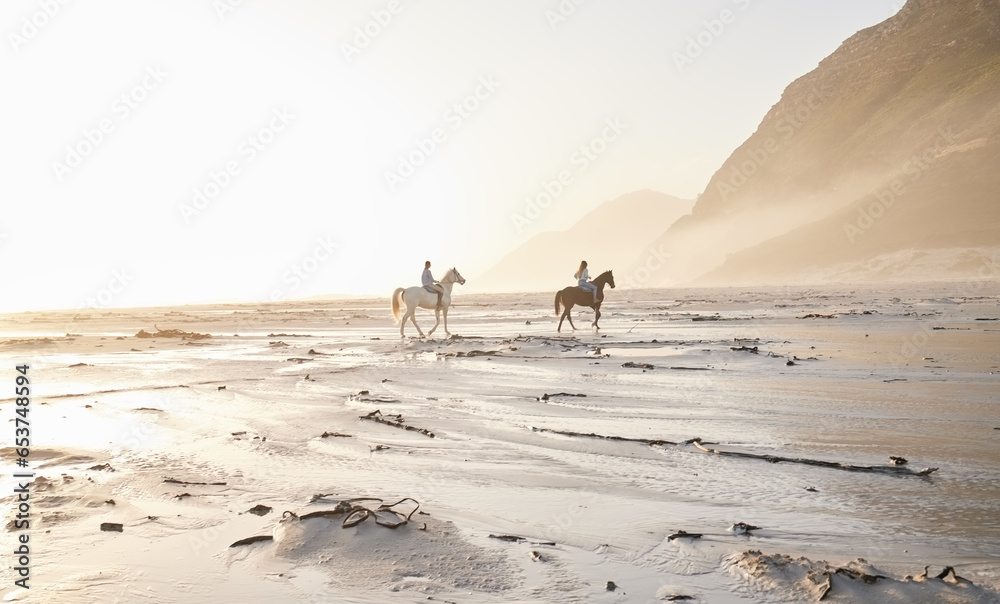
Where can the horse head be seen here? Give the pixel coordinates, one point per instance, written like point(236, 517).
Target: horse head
point(606, 277)
point(453, 275)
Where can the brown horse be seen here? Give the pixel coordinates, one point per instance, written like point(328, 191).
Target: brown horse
point(576, 295)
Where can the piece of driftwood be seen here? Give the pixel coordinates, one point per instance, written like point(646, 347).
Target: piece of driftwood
point(702, 445)
point(364, 398)
point(511, 538)
point(546, 397)
point(633, 365)
point(112, 526)
point(901, 470)
point(211, 484)
point(944, 575)
point(684, 534)
point(645, 441)
point(849, 573)
point(395, 420)
point(857, 575)
point(742, 528)
point(172, 333)
point(250, 540)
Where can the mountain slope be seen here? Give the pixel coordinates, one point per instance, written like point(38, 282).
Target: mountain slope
point(891, 145)
point(608, 237)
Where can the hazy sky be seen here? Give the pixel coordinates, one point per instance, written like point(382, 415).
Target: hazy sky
point(190, 151)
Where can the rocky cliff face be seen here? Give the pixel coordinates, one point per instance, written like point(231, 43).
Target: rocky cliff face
point(889, 147)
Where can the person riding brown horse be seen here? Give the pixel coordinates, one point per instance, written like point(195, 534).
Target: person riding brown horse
point(576, 296)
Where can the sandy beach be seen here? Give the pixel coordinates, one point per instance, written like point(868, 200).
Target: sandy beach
point(529, 466)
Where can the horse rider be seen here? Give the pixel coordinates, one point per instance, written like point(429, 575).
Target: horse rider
point(427, 280)
point(582, 276)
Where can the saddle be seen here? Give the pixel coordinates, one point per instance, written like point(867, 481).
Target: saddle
point(431, 289)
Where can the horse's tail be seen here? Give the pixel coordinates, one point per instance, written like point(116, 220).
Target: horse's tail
point(397, 297)
point(558, 297)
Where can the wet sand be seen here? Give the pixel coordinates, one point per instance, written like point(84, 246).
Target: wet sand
point(911, 372)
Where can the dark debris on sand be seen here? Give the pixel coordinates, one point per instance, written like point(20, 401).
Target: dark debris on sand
point(354, 512)
point(546, 397)
point(685, 535)
point(172, 333)
point(395, 420)
point(175, 481)
point(633, 365)
point(895, 469)
point(259, 510)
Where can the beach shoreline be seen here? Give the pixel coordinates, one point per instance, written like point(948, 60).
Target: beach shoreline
point(508, 418)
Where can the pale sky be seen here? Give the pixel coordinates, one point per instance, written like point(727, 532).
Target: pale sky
point(199, 151)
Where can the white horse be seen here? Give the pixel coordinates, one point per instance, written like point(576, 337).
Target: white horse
point(417, 296)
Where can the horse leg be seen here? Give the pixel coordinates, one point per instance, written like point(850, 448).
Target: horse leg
point(570, 317)
point(437, 320)
point(445, 312)
point(597, 316)
point(413, 318)
point(402, 322)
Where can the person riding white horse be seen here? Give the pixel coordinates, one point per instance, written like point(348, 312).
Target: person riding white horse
point(419, 296)
point(427, 280)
